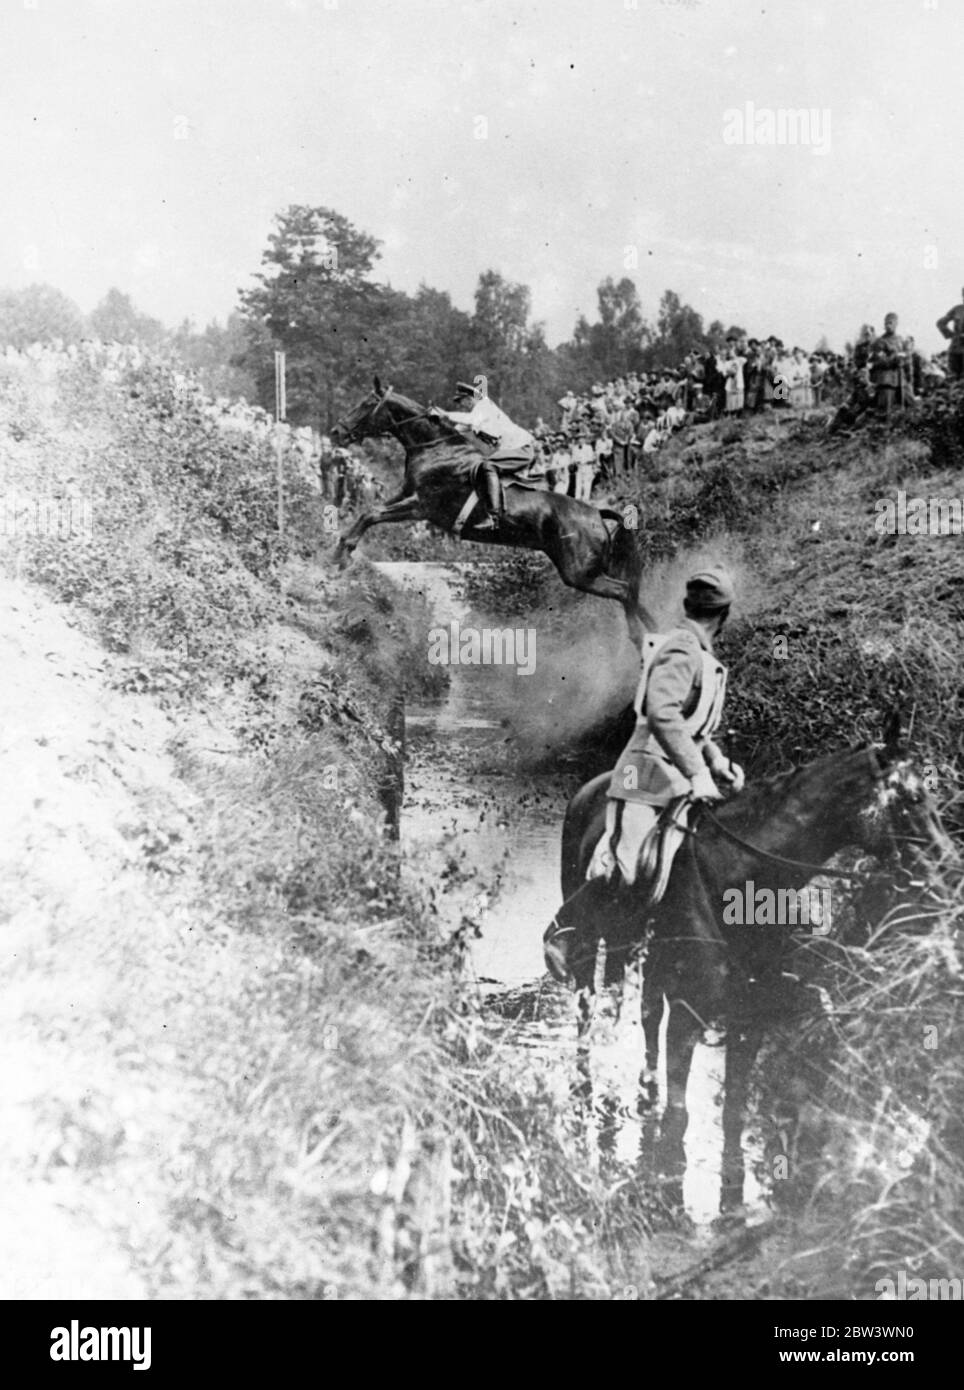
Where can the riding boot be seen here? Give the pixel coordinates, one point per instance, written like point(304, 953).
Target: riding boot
point(491, 494)
point(601, 908)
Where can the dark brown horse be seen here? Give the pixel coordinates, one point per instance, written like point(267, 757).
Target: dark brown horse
point(713, 970)
point(591, 548)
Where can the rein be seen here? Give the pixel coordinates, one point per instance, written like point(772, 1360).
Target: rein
point(782, 858)
point(878, 771)
point(352, 436)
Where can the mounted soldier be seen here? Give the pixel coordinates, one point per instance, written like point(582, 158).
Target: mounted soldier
point(512, 447)
point(670, 761)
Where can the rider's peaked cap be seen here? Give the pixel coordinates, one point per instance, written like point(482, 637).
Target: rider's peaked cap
point(710, 589)
point(463, 388)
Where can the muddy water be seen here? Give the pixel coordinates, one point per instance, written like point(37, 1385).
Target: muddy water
point(491, 829)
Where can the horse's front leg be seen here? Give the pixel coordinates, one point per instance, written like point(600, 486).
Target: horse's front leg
point(399, 509)
point(742, 1045)
point(652, 1018)
point(582, 1081)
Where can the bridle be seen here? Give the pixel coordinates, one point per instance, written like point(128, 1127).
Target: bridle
point(351, 435)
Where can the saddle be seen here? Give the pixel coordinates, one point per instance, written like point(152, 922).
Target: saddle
point(657, 852)
point(660, 847)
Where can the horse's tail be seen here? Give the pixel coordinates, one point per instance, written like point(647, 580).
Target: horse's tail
point(577, 820)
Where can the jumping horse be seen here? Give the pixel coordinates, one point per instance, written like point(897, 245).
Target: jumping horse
point(776, 835)
point(592, 549)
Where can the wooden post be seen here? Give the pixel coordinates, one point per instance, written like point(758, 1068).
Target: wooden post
point(280, 414)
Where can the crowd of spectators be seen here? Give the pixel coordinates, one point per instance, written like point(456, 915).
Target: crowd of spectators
point(608, 431)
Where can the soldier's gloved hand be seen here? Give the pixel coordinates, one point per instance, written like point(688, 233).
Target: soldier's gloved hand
point(703, 788)
point(732, 773)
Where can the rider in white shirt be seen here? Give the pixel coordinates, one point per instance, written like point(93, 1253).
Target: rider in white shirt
point(514, 446)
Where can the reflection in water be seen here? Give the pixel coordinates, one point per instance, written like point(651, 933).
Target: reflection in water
point(495, 830)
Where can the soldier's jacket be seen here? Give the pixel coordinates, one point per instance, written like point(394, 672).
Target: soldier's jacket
point(679, 704)
point(953, 320)
point(886, 363)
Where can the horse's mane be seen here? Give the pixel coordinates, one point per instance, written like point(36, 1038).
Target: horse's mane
point(447, 429)
point(763, 793)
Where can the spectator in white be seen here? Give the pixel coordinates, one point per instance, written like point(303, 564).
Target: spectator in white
point(733, 372)
point(932, 374)
point(799, 373)
point(818, 371)
point(598, 406)
point(604, 453)
point(784, 372)
point(584, 457)
point(513, 452)
point(560, 464)
point(672, 419)
point(568, 404)
point(653, 440)
point(622, 429)
point(538, 467)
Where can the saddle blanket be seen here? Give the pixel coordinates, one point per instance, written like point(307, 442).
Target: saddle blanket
point(472, 501)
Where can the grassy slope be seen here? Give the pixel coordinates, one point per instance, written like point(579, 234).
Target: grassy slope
point(242, 1062)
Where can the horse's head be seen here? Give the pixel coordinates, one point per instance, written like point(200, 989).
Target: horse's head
point(369, 418)
point(901, 814)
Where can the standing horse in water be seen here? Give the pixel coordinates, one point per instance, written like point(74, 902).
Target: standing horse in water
point(593, 550)
point(709, 970)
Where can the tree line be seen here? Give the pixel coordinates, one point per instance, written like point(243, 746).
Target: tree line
point(316, 298)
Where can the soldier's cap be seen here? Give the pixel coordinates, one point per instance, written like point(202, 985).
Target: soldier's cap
point(710, 589)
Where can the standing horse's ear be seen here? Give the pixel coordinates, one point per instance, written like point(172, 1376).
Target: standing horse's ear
point(897, 731)
point(377, 384)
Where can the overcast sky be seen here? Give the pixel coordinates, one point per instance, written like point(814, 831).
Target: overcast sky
point(558, 141)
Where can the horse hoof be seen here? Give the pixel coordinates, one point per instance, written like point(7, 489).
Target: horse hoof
point(556, 963)
point(648, 1094)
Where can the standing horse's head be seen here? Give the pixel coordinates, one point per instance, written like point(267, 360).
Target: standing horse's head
point(902, 813)
point(367, 419)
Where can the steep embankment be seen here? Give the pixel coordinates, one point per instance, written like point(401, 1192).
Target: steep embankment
point(240, 1063)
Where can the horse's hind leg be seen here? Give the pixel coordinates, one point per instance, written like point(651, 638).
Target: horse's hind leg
point(682, 1034)
point(647, 1096)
